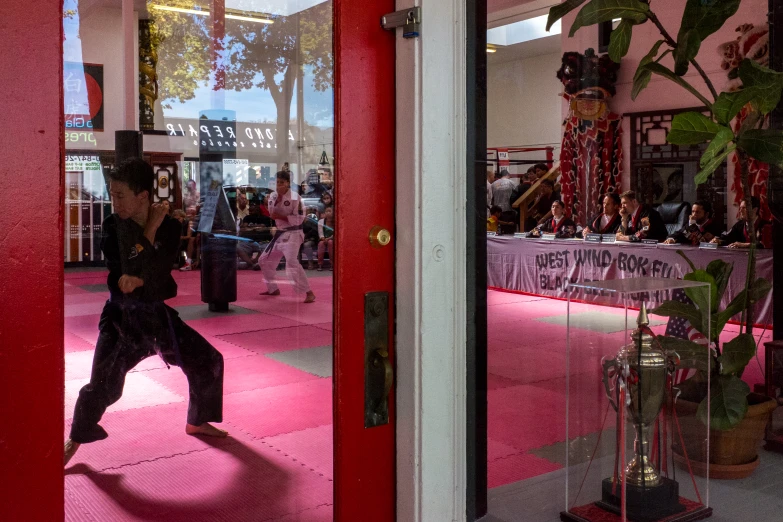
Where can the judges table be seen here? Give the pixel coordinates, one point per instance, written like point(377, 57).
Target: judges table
point(543, 267)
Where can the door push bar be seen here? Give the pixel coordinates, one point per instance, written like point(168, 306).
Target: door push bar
point(408, 19)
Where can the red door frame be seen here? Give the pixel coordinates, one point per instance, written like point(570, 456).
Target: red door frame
point(31, 280)
point(31, 283)
point(364, 97)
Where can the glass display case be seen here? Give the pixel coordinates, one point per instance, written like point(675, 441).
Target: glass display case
point(636, 427)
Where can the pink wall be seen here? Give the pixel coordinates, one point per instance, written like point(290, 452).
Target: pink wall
point(662, 94)
point(31, 278)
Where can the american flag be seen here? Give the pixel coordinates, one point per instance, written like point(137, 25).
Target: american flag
point(683, 329)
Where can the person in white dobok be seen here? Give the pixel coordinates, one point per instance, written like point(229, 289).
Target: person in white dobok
point(286, 208)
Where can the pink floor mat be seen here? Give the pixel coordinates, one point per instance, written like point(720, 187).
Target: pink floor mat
point(139, 392)
point(281, 339)
point(306, 405)
point(292, 307)
point(237, 482)
point(313, 448)
point(74, 343)
point(241, 374)
point(145, 434)
point(239, 323)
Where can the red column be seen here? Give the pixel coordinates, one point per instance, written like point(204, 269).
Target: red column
point(31, 278)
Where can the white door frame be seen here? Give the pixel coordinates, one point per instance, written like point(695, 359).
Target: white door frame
point(430, 265)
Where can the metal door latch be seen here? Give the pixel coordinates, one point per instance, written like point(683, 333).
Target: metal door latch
point(408, 19)
point(378, 370)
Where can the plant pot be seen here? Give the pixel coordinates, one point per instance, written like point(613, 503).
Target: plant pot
point(734, 453)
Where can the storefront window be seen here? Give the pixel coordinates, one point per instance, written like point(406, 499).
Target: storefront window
point(229, 105)
point(597, 183)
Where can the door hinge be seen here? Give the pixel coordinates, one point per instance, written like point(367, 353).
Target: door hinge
point(408, 19)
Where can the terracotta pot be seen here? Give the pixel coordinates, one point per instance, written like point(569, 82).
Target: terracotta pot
point(733, 454)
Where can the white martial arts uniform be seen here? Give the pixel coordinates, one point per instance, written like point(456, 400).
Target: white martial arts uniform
point(288, 242)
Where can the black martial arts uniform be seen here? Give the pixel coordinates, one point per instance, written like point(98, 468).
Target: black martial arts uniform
point(565, 229)
point(137, 325)
point(611, 227)
point(693, 234)
point(646, 223)
point(740, 233)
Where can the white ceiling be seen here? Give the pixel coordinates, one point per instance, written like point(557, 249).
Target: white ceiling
point(547, 45)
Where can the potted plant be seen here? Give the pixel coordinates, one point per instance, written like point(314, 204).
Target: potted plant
point(737, 417)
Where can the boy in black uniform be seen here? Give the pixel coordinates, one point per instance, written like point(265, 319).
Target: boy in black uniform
point(140, 243)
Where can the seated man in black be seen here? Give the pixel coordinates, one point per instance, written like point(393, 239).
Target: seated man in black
point(257, 228)
point(561, 226)
point(739, 235)
point(639, 221)
point(700, 228)
point(541, 208)
point(140, 243)
point(609, 220)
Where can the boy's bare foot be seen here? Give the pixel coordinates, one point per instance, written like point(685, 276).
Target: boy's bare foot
point(205, 429)
point(310, 297)
point(276, 292)
point(70, 450)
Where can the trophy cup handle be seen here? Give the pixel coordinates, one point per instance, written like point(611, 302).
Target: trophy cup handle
point(608, 366)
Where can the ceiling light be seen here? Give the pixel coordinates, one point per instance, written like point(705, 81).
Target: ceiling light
point(180, 10)
point(250, 19)
point(207, 13)
point(491, 49)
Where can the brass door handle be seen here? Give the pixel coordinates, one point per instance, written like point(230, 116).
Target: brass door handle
point(382, 357)
point(379, 237)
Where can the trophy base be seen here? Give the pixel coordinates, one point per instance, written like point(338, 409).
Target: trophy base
point(647, 504)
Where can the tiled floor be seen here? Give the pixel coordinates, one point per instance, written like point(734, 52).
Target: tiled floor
point(277, 407)
point(277, 462)
point(527, 414)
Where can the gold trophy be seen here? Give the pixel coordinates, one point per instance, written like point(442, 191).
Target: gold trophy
point(649, 496)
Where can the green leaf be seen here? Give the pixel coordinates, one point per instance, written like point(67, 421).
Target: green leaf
point(728, 403)
point(692, 355)
point(678, 309)
point(729, 104)
point(700, 19)
point(598, 11)
point(620, 40)
point(642, 76)
point(737, 353)
point(763, 144)
point(556, 12)
point(688, 44)
point(690, 263)
point(721, 271)
point(750, 122)
point(758, 290)
point(710, 167)
point(659, 69)
point(700, 296)
point(765, 84)
point(718, 143)
point(691, 128)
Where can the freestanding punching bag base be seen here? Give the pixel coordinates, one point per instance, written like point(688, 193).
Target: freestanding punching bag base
point(218, 272)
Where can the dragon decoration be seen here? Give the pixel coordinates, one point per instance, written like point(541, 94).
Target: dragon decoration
point(591, 151)
point(752, 43)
